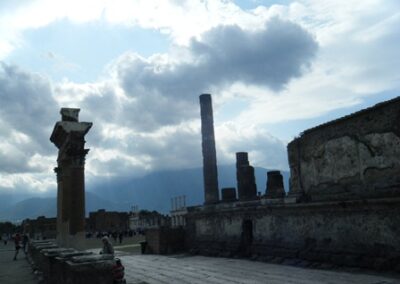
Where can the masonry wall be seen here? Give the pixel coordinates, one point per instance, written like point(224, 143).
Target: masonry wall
point(352, 233)
point(355, 157)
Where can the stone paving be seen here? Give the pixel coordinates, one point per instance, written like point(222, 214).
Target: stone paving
point(14, 272)
point(142, 269)
point(155, 269)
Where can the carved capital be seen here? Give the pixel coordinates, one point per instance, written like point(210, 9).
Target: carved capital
point(58, 172)
point(78, 161)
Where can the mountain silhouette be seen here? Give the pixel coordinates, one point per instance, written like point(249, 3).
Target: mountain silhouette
point(152, 192)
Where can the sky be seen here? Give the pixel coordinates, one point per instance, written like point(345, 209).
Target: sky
point(136, 70)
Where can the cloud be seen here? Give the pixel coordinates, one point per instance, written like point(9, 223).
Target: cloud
point(281, 63)
point(166, 16)
point(264, 149)
point(163, 88)
point(27, 116)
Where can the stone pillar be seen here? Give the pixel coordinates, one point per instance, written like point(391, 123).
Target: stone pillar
point(275, 188)
point(296, 189)
point(209, 153)
point(246, 182)
point(68, 136)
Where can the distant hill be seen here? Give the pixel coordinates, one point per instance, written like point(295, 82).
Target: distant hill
point(37, 206)
point(152, 192)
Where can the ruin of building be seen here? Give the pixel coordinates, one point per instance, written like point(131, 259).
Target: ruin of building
point(40, 228)
point(342, 206)
point(274, 188)
point(142, 220)
point(65, 260)
point(69, 137)
point(107, 221)
point(178, 211)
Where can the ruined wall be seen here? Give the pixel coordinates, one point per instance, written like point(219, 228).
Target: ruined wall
point(355, 157)
point(352, 233)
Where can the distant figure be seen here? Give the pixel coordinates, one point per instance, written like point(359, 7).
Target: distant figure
point(118, 271)
point(25, 240)
point(107, 246)
point(120, 237)
point(17, 241)
point(114, 236)
point(5, 239)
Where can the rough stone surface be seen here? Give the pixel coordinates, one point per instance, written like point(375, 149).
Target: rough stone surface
point(274, 187)
point(357, 156)
point(352, 233)
point(246, 182)
point(156, 269)
point(165, 240)
point(63, 265)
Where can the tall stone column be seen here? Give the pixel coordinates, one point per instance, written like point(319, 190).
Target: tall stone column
point(68, 136)
point(210, 172)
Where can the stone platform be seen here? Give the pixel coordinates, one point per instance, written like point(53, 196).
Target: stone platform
point(156, 269)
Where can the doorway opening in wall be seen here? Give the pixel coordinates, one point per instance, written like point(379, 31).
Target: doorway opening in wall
point(247, 237)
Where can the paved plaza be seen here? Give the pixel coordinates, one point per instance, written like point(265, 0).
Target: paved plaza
point(200, 270)
point(14, 272)
point(155, 269)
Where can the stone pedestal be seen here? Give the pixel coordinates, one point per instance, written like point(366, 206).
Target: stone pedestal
point(275, 188)
point(246, 182)
point(68, 136)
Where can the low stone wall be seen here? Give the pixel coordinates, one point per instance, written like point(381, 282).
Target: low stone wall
point(164, 240)
point(66, 265)
point(363, 233)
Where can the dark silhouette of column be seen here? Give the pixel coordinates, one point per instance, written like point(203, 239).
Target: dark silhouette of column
point(246, 182)
point(275, 188)
point(68, 136)
point(228, 194)
point(210, 172)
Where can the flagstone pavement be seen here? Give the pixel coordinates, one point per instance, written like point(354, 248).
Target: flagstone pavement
point(14, 272)
point(157, 269)
point(199, 270)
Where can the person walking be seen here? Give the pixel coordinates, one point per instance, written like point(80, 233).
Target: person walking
point(17, 242)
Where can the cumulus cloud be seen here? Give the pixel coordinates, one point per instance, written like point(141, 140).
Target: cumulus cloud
point(165, 16)
point(164, 89)
point(27, 116)
point(264, 149)
point(147, 114)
